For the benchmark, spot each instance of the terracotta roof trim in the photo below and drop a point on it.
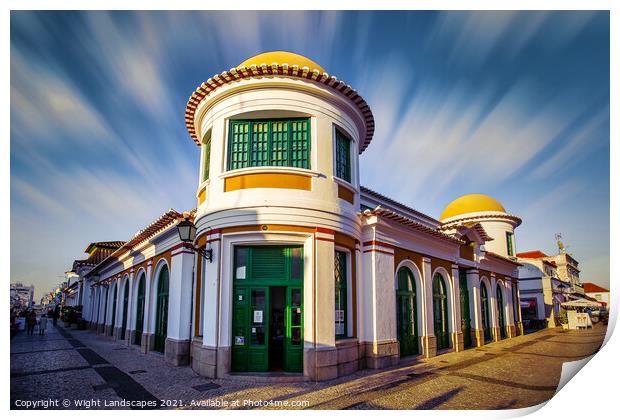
(407, 221)
(277, 69)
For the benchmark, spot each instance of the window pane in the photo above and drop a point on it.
(295, 335)
(260, 135)
(300, 144)
(296, 297)
(207, 160)
(279, 143)
(241, 258)
(343, 156)
(238, 145)
(296, 260)
(340, 273)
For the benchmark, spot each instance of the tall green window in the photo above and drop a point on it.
(343, 156)
(510, 244)
(277, 142)
(340, 272)
(206, 159)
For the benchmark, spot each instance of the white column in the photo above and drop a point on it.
(475, 306)
(510, 319)
(180, 294)
(129, 324)
(324, 306)
(456, 299)
(211, 284)
(493, 304)
(148, 323)
(429, 344)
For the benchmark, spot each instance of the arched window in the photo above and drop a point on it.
(161, 317)
(500, 313)
(140, 310)
(486, 325)
(440, 312)
(406, 313)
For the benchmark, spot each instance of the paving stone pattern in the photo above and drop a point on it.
(76, 366)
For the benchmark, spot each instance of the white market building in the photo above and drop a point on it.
(311, 272)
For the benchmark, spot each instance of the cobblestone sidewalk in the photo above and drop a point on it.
(79, 369)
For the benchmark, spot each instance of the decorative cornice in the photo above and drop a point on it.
(277, 70)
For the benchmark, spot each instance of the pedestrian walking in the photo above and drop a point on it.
(31, 321)
(42, 324)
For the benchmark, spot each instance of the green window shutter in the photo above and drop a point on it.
(207, 159)
(259, 144)
(300, 144)
(340, 273)
(238, 145)
(269, 263)
(509, 244)
(279, 142)
(343, 156)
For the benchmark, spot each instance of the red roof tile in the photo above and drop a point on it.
(532, 254)
(593, 288)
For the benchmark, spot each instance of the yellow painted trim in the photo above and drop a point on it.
(268, 180)
(202, 196)
(345, 193)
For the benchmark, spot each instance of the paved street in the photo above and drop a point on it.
(69, 367)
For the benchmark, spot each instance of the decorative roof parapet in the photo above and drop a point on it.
(409, 222)
(277, 69)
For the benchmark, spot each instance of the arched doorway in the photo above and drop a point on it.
(161, 317)
(486, 324)
(114, 297)
(465, 315)
(406, 313)
(440, 312)
(125, 305)
(500, 313)
(139, 311)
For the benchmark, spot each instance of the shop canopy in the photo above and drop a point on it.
(581, 303)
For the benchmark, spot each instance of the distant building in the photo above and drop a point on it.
(542, 290)
(597, 292)
(22, 297)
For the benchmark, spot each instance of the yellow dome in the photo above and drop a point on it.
(282, 57)
(471, 203)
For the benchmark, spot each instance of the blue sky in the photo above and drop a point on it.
(510, 104)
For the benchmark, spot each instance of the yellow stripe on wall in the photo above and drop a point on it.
(268, 180)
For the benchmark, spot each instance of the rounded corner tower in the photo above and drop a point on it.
(491, 214)
(278, 193)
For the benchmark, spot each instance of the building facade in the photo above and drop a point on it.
(597, 292)
(300, 268)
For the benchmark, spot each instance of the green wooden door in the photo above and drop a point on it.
(161, 318)
(125, 305)
(501, 320)
(140, 311)
(465, 315)
(440, 312)
(294, 340)
(406, 313)
(486, 325)
(256, 270)
(114, 297)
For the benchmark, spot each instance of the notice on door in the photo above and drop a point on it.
(258, 317)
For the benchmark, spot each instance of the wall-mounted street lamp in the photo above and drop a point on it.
(187, 233)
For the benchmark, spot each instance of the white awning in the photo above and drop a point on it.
(581, 303)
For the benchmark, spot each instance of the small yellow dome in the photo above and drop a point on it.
(282, 57)
(471, 203)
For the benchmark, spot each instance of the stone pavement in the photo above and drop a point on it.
(79, 369)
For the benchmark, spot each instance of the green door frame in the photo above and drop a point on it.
(406, 313)
(125, 305)
(140, 311)
(114, 297)
(501, 321)
(275, 266)
(465, 314)
(161, 324)
(484, 303)
(440, 312)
